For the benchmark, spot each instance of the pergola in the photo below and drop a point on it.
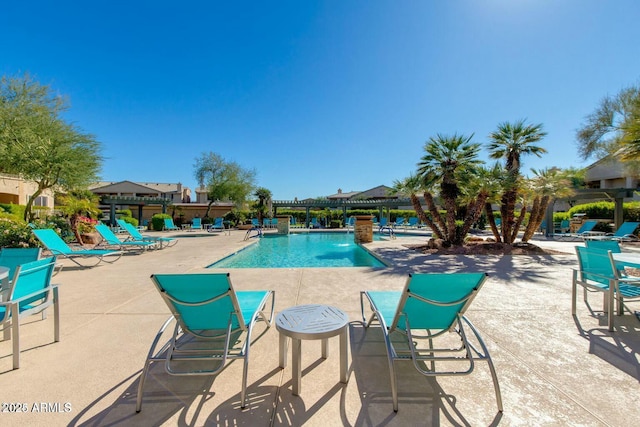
(343, 204)
(617, 195)
(112, 201)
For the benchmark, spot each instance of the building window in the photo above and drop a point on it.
(41, 201)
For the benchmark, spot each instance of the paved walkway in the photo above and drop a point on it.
(553, 369)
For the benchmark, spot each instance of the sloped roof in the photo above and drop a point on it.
(343, 195)
(134, 187)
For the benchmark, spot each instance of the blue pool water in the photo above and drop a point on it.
(301, 250)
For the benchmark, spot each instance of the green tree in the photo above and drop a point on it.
(263, 205)
(224, 180)
(412, 185)
(449, 162)
(76, 204)
(510, 141)
(37, 144)
(613, 128)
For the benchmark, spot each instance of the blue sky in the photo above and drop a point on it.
(317, 96)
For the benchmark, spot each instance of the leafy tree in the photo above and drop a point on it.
(449, 163)
(613, 128)
(510, 141)
(224, 180)
(38, 145)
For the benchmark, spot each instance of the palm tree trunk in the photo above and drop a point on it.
(439, 224)
(473, 213)
(518, 223)
(423, 216)
(492, 222)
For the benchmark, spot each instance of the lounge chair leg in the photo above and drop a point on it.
(15, 326)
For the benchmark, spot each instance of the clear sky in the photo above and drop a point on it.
(319, 95)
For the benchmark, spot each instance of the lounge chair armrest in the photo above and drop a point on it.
(33, 294)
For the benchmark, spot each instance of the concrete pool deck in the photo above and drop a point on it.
(553, 369)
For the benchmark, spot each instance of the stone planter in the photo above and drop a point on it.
(363, 229)
(92, 238)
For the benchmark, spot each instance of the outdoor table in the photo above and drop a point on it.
(311, 322)
(627, 259)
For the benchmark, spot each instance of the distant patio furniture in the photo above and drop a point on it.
(58, 247)
(111, 240)
(604, 245)
(430, 306)
(137, 237)
(196, 224)
(30, 292)
(585, 230)
(213, 322)
(169, 225)
(218, 224)
(624, 233)
(413, 222)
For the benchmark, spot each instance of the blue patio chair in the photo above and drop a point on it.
(315, 223)
(625, 233)
(383, 223)
(218, 224)
(58, 247)
(13, 257)
(585, 230)
(111, 240)
(604, 245)
(135, 235)
(599, 272)
(169, 225)
(413, 222)
(430, 306)
(255, 223)
(30, 292)
(400, 222)
(196, 224)
(274, 222)
(207, 311)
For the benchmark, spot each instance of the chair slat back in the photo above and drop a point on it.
(587, 226)
(626, 228)
(30, 278)
(595, 265)
(108, 235)
(13, 257)
(200, 301)
(604, 245)
(434, 300)
(196, 223)
(52, 241)
(130, 229)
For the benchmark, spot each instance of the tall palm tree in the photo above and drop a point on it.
(480, 193)
(264, 202)
(449, 161)
(411, 186)
(510, 141)
(547, 184)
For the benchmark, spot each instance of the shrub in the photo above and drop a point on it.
(16, 234)
(335, 223)
(131, 220)
(157, 221)
(124, 212)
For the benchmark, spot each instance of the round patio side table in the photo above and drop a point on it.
(311, 322)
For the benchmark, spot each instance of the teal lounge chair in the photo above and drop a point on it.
(137, 237)
(14, 257)
(196, 224)
(58, 247)
(111, 240)
(213, 322)
(218, 224)
(585, 230)
(30, 292)
(430, 306)
(413, 222)
(169, 225)
(625, 233)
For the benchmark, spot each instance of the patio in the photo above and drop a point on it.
(553, 369)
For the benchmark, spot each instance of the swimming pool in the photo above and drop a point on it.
(301, 250)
